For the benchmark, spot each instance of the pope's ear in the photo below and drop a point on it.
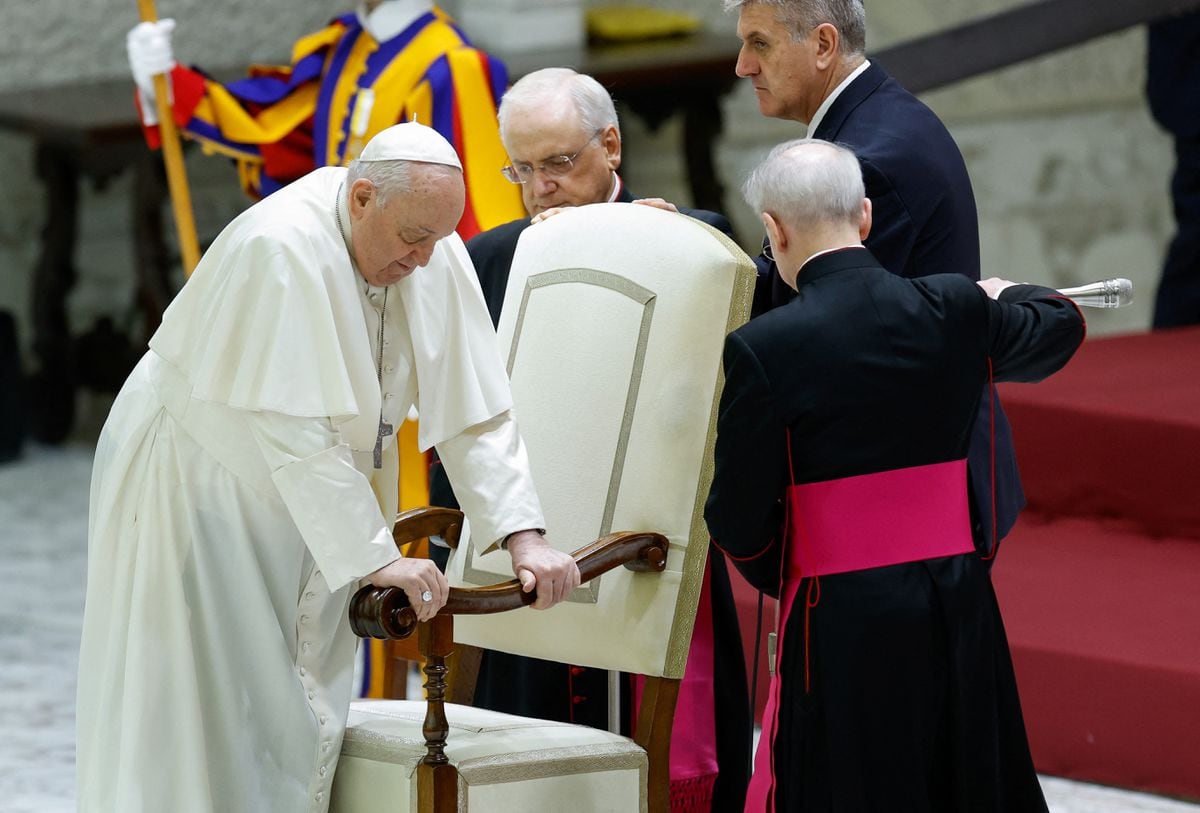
(361, 192)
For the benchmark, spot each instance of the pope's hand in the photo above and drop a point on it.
(418, 578)
(539, 566)
(148, 45)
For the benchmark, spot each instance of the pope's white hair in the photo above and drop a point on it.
(800, 184)
(592, 102)
(394, 177)
(802, 16)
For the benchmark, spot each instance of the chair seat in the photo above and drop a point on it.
(504, 762)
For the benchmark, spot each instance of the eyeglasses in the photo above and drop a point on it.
(555, 166)
(766, 250)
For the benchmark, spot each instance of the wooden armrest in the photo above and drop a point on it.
(383, 612)
(418, 523)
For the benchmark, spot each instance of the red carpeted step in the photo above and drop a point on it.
(1104, 626)
(1116, 433)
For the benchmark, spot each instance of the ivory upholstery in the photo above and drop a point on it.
(504, 762)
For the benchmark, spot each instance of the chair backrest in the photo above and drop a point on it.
(613, 325)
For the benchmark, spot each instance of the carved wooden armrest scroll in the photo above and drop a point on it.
(383, 612)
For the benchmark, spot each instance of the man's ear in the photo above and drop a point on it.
(610, 139)
(827, 40)
(775, 233)
(864, 227)
(361, 192)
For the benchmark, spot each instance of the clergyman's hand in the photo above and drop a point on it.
(992, 286)
(658, 203)
(545, 214)
(541, 567)
(417, 578)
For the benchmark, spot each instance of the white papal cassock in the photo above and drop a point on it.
(235, 504)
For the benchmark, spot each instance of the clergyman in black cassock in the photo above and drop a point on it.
(894, 687)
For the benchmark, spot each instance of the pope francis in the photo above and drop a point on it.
(246, 476)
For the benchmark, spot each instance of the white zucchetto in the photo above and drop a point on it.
(410, 141)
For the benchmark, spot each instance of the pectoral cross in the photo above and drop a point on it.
(385, 429)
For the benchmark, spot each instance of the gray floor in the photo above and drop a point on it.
(43, 528)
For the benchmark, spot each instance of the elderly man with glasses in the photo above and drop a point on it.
(563, 141)
(560, 131)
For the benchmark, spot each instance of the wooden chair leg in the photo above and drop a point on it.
(655, 714)
(437, 779)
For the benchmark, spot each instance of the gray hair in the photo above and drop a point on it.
(592, 102)
(802, 16)
(805, 186)
(392, 177)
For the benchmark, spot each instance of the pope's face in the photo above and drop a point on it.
(782, 70)
(392, 240)
(537, 138)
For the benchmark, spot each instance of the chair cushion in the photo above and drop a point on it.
(504, 762)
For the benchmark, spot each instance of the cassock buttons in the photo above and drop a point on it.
(312, 695)
(576, 671)
(577, 699)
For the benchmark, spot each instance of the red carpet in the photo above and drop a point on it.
(1099, 582)
(1116, 433)
(1104, 626)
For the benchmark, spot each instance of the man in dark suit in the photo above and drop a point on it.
(807, 62)
(561, 133)
(1173, 91)
(840, 486)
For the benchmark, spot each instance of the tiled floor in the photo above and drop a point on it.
(43, 530)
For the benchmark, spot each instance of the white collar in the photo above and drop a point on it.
(391, 17)
(616, 188)
(837, 91)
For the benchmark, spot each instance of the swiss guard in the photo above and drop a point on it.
(388, 61)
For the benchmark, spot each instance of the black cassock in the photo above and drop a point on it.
(911, 703)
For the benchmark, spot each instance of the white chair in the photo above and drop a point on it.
(613, 325)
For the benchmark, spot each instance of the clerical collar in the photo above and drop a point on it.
(822, 253)
(829, 100)
(618, 185)
(391, 17)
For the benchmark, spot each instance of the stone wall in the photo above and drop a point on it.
(1070, 173)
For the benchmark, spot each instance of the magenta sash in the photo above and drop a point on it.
(858, 523)
(693, 767)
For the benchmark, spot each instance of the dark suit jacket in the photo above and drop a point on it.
(1173, 74)
(924, 223)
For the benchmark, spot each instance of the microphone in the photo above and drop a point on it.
(1107, 293)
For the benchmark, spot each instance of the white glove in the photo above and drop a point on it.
(149, 48)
